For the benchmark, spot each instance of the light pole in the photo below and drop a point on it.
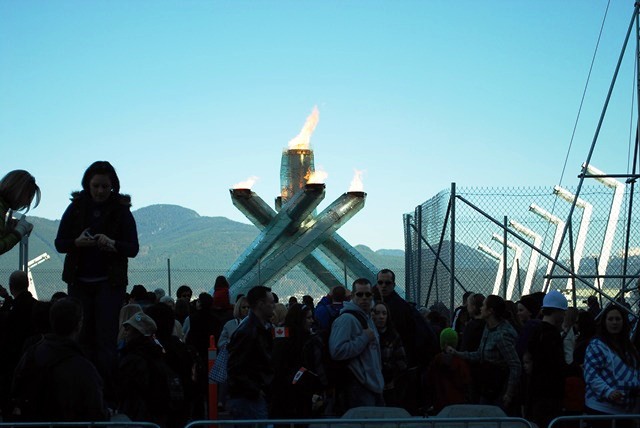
(533, 259)
(553, 219)
(497, 256)
(614, 214)
(514, 266)
(587, 210)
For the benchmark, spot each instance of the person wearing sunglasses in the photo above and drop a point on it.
(354, 338)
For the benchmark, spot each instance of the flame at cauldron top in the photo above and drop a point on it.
(247, 184)
(356, 182)
(318, 176)
(303, 139)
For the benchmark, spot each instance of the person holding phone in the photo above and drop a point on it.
(98, 234)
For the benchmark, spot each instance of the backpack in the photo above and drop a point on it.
(31, 387)
(167, 386)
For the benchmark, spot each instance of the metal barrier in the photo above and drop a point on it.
(431, 422)
(583, 420)
(110, 424)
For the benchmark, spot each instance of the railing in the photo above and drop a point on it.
(110, 424)
(432, 422)
(586, 420)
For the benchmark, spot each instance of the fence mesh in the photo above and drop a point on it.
(595, 237)
(294, 283)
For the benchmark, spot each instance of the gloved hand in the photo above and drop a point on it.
(23, 227)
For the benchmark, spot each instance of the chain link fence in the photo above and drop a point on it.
(294, 283)
(495, 231)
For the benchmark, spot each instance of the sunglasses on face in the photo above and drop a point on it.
(381, 282)
(364, 294)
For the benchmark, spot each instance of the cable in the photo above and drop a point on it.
(575, 125)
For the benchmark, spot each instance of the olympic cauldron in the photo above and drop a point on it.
(293, 233)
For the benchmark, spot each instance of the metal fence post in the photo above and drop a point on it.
(408, 256)
(504, 257)
(418, 295)
(169, 276)
(453, 247)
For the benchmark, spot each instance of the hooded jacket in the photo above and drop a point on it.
(349, 342)
(112, 218)
(73, 385)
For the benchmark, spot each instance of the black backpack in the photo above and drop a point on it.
(167, 385)
(30, 390)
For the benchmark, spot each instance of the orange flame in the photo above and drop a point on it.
(356, 183)
(318, 176)
(247, 184)
(303, 139)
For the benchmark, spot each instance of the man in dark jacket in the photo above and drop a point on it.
(249, 369)
(68, 386)
(16, 325)
(419, 340)
(546, 387)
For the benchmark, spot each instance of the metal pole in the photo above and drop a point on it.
(408, 253)
(573, 264)
(597, 133)
(595, 258)
(519, 282)
(442, 233)
(504, 257)
(24, 254)
(418, 294)
(632, 181)
(169, 275)
(452, 201)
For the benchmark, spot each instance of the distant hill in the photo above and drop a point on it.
(199, 248)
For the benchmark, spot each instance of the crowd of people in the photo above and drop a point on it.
(96, 350)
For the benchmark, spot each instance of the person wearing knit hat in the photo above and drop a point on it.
(449, 374)
(448, 337)
(546, 388)
(528, 308)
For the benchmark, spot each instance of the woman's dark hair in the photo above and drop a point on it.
(295, 320)
(476, 300)
(389, 320)
(498, 305)
(206, 301)
(620, 343)
(182, 289)
(19, 188)
(101, 168)
(221, 282)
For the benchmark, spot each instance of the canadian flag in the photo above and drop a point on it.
(298, 375)
(281, 332)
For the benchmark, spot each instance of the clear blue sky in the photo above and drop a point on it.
(186, 98)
